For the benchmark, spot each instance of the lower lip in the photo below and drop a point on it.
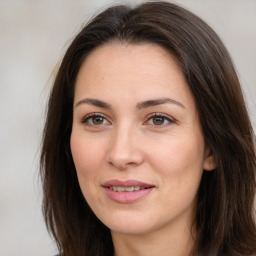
(127, 197)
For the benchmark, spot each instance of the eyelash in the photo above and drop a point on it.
(86, 119)
(165, 117)
(90, 116)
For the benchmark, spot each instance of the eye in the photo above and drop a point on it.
(95, 119)
(159, 119)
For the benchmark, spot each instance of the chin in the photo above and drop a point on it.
(128, 230)
(131, 225)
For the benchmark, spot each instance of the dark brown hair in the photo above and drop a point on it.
(225, 208)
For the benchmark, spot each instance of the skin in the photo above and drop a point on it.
(128, 143)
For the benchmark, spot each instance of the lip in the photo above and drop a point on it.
(126, 183)
(127, 197)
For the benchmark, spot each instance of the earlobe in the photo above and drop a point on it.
(210, 162)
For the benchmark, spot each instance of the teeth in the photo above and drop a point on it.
(125, 189)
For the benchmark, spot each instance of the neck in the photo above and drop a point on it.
(171, 241)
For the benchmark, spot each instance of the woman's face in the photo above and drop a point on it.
(136, 140)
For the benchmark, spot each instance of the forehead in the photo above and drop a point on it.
(118, 57)
(137, 70)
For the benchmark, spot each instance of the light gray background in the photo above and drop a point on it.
(33, 37)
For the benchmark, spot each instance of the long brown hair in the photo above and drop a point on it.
(225, 207)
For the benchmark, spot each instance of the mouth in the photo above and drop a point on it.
(127, 184)
(125, 189)
(128, 191)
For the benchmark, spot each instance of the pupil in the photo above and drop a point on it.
(158, 120)
(98, 120)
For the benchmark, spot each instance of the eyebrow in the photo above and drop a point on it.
(94, 102)
(155, 102)
(139, 106)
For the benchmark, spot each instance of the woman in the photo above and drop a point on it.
(148, 148)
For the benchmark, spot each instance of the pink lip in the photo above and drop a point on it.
(126, 183)
(127, 197)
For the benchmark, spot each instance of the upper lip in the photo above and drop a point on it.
(126, 183)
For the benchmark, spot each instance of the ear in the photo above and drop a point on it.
(210, 162)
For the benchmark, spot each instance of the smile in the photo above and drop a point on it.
(126, 189)
(125, 192)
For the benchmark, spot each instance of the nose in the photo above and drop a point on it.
(125, 149)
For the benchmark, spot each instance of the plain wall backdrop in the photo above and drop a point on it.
(33, 37)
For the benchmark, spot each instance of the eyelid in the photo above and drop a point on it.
(148, 117)
(86, 117)
(167, 117)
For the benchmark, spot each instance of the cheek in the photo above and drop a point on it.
(177, 153)
(180, 163)
(88, 159)
(87, 153)
(181, 170)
